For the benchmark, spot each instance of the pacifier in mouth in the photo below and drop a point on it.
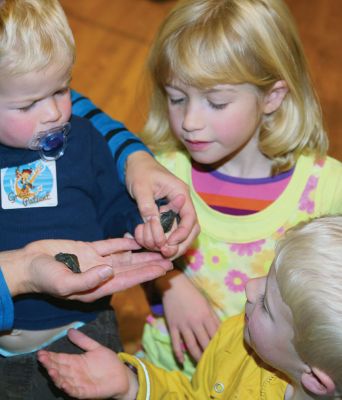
(51, 144)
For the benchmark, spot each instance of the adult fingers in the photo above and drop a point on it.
(85, 281)
(109, 246)
(128, 278)
(127, 260)
(124, 280)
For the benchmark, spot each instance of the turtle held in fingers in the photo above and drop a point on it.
(167, 220)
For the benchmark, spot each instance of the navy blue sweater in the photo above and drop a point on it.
(92, 204)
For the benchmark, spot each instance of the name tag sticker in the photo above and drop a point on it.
(29, 185)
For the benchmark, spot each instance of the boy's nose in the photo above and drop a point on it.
(254, 288)
(51, 111)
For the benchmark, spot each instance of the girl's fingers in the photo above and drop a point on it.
(109, 246)
(212, 325)
(202, 337)
(177, 345)
(191, 344)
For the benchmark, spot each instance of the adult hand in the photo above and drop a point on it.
(159, 183)
(190, 319)
(107, 266)
(79, 375)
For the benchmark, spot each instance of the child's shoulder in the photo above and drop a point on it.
(81, 126)
(326, 163)
(333, 163)
(85, 138)
(327, 176)
(80, 123)
(330, 166)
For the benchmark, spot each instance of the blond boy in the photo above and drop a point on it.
(58, 181)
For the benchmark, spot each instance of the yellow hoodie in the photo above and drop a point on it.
(227, 370)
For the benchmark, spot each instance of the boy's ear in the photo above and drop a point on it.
(318, 382)
(275, 97)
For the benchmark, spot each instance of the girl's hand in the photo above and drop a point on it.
(144, 233)
(97, 373)
(190, 319)
(147, 181)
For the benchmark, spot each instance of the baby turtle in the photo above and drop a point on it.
(167, 219)
(70, 260)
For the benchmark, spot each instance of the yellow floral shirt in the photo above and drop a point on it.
(232, 249)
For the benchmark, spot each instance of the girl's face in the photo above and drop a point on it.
(269, 325)
(215, 124)
(33, 102)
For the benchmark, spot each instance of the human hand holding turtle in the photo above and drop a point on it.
(107, 266)
(159, 183)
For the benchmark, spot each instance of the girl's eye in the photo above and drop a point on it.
(217, 106)
(176, 101)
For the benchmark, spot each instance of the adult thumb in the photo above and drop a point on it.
(90, 279)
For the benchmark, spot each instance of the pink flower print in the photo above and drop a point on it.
(194, 259)
(216, 258)
(236, 280)
(281, 230)
(305, 203)
(247, 248)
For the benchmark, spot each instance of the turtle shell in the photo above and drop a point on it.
(70, 260)
(167, 219)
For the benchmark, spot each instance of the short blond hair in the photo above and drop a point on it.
(308, 265)
(33, 34)
(208, 42)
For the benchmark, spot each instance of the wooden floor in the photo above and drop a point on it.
(113, 38)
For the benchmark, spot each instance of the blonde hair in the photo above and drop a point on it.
(208, 42)
(308, 265)
(33, 34)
